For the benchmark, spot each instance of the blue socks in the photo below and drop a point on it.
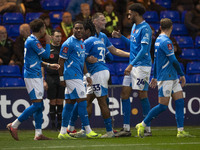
(30, 110)
(82, 112)
(145, 108)
(179, 104)
(66, 114)
(74, 115)
(154, 112)
(126, 109)
(108, 124)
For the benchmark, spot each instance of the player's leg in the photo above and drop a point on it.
(51, 95)
(164, 93)
(59, 104)
(179, 106)
(106, 116)
(126, 107)
(66, 114)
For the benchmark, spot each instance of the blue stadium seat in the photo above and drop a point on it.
(115, 80)
(57, 5)
(31, 16)
(66, 2)
(197, 42)
(183, 16)
(0, 19)
(13, 18)
(120, 67)
(179, 29)
(12, 82)
(173, 15)
(193, 78)
(164, 3)
(117, 42)
(184, 41)
(13, 30)
(10, 71)
(112, 68)
(56, 17)
(189, 54)
(151, 16)
(193, 67)
(156, 26)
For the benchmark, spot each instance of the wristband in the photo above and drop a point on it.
(61, 78)
(48, 65)
(87, 75)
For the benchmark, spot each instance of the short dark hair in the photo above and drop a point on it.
(36, 25)
(89, 25)
(44, 16)
(55, 30)
(166, 23)
(137, 7)
(78, 22)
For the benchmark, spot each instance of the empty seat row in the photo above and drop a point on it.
(12, 82)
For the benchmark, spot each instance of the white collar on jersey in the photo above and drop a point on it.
(34, 36)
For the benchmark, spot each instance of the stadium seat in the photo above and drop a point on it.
(56, 17)
(12, 30)
(10, 71)
(66, 2)
(164, 3)
(193, 67)
(173, 15)
(193, 78)
(184, 41)
(13, 18)
(57, 5)
(120, 67)
(117, 42)
(151, 16)
(183, 16)
(189, 54)
(115, 80)
(156, 26)
(112, 68)
(31, 16)
(179, 29)
(197, 42)
(0, 19)
(12, 82)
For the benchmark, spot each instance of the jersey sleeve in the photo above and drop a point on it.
(88, 46)
(146, 35)
(65, 50)
(107, 41)
(37, 47)
(168, 48)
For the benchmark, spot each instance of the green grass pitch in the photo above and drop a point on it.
(163, 138)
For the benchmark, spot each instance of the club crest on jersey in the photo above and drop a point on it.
(65, 49)
(39, 45)
(169, 46)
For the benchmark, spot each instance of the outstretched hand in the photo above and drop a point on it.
(116, 34)
(54, 66)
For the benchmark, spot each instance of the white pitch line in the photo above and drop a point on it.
(116, 145)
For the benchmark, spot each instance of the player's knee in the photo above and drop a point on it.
(162, 107)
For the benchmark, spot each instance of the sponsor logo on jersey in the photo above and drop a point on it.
(65, 49)
(39, 45)
(82, 46)
(134, 31)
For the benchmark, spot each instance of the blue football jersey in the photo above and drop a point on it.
(33, 54)
(95, 47)
(103, 37)
(73, 50)
(164, 48)
(140, 33)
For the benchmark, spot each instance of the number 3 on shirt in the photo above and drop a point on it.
(96, 87)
